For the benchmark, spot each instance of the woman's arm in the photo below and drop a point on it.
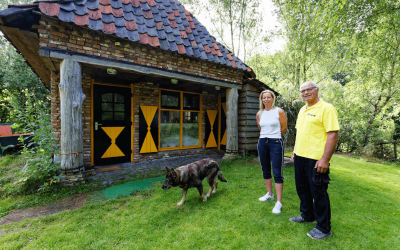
(283, 121)
(258, 120)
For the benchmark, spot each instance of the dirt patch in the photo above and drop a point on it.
(107, 169)
(70, 203)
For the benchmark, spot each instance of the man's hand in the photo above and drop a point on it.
(292, 157)
(322, 166)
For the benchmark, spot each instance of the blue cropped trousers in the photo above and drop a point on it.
(271, 151)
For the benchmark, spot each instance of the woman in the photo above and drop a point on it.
(272, 124)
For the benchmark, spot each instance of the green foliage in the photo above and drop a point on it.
(351, 49)
(39, 171)
(20, 88)
(25, 101)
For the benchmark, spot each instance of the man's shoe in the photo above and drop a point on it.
(266, 197)
(277, 209)
(299, 219)
(315, 234)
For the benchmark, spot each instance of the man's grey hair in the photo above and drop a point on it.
(307, 83)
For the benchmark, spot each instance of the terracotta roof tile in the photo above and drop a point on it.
(160, 23)
(154, 41)
(130, 25)
(51, 9)
(105, 2)
(144, 38)
(135, 3)
(148, 14)
(181, 49)
(105, 9)
(82, 20)
(183, 34)
(109, 28)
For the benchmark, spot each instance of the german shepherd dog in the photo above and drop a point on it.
(192, 175)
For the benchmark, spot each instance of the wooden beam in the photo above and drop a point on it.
(136, 68)
(232, 121)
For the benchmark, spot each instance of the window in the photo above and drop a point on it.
(112, 107)
(179, 120)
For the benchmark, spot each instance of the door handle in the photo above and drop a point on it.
(96, 125)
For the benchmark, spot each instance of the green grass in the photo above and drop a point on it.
(365, 200)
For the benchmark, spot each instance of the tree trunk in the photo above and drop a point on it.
(232, 121)
(71, 101)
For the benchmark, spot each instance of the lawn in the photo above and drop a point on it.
(365, 200)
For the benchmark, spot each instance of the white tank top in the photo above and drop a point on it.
(270, 125)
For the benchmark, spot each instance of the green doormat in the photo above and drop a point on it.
(128, 188)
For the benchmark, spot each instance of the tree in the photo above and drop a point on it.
(236, 23)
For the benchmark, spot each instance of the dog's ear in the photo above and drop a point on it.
(168, 170)
(176, 175)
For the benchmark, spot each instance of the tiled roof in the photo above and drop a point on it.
(159, 23)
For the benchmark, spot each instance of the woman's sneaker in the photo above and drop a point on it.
(277, 209)
(266, 197)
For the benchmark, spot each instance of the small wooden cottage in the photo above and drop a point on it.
(133, 80)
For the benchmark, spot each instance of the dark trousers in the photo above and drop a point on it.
(312, 190)
(270, 151)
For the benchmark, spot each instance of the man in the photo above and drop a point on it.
(317, 134)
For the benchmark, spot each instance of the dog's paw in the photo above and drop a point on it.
(214, 191)
(179, 204)
(205, 199)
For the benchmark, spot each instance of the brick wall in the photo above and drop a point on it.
(57, 34)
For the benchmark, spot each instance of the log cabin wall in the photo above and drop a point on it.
(248, 106)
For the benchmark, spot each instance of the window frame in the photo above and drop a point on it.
(181, 111)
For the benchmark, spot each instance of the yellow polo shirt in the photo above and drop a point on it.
(312, 126)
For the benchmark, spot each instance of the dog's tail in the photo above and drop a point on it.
(220, 176)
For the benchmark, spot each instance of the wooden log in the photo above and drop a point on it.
(231, 121)
(395, 150)
(248, 140)
(249, 99)
(248, 146)
(248, 129)
(71, 102)
(248, 111)
(249, 105)
(248, 122)
(249, 134)
(250, 93)
(247, 116)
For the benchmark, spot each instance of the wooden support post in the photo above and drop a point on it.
(71, 102)
(395, 150)
(232, 122)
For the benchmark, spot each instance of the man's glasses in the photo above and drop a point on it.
(308, 90)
